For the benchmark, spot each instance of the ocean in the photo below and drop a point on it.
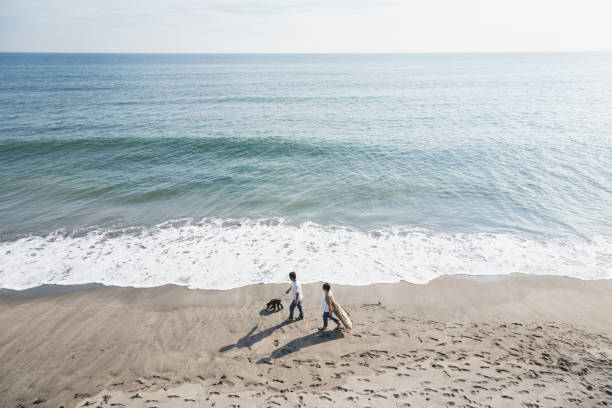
(216, 171)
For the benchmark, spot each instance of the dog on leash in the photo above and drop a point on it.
(274, 305)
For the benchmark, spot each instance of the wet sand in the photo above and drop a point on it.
(519, 340)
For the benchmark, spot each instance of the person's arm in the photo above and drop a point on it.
(297, 297)
(288, 290)
(330, 302)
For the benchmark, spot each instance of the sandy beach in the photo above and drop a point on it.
(520, 340)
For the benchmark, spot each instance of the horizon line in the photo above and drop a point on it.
(308, 53)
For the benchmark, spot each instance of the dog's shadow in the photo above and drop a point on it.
(265, 312)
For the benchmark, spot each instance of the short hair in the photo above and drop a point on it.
(291, 275)
(326, 286)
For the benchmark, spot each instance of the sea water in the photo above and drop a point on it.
(215, 171)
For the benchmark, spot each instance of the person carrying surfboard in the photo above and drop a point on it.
(331, 308)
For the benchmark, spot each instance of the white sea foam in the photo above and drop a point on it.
(223, 254)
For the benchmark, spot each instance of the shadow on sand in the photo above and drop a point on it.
(249, 339)
(266, 312)
(303, 342)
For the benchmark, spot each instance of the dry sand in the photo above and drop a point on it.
(520, 340)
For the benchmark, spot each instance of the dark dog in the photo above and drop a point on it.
(274, 305)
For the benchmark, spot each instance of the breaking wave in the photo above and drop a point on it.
(227, 253)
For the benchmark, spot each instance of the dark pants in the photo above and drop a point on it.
(292, 308)
(326, 316)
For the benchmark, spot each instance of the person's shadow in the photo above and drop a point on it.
(302, 342)
(249, 339)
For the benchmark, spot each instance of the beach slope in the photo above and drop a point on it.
(518, 340)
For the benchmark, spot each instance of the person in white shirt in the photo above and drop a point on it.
(327, 312)
(298, 296)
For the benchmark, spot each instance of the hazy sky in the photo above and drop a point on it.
(304, 25)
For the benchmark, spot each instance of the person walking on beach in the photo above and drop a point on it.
(298, 296)
(327, 313)
(331, 307)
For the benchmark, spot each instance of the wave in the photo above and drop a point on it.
(268, 145)
(227, 253)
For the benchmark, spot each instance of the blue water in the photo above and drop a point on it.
(514, 145)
